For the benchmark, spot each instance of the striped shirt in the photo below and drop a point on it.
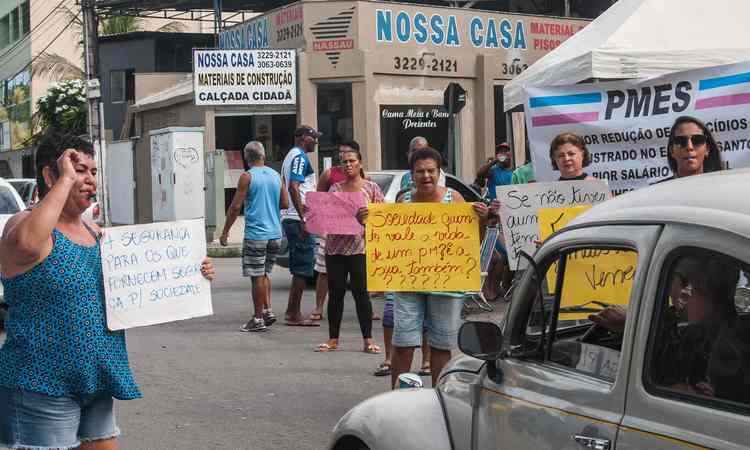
(341, 244)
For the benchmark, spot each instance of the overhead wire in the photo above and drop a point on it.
(16, 45)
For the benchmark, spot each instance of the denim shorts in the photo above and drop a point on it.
(414, 312)
(38, 421)
(301, 251)
(388, 311)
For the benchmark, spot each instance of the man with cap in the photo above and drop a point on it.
(498, 171)
(299, 179)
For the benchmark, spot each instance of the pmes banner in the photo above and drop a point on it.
(245, 77)
(626, 124)
(419, 247)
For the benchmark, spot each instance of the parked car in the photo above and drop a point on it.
(542, 380)
(389, 182)
(26, 188)
(10, 203)
(94, 214)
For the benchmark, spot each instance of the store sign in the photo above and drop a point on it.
(279, 29)
(245, 77)
(399, 124)
(477, 30)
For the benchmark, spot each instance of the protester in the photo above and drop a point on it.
(417, 143)
(260, 191)
(327, 179)
(61, 366)
(384, 368)
(299, 179)
(439, 312)
(569, 155)
(345, 258)
(498, 171)
(524, 174)
(692, 149)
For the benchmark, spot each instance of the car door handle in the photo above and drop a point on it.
(595, 443)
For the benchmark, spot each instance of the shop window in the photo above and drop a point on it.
(700, 341)
(334, 118)
(501, 132)
(25, 18)
(5, 31)
(15, 25)
(117, 86)
(4, 135)
(399, 124)
(579, 284)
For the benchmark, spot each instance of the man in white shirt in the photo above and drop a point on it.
(299, 179)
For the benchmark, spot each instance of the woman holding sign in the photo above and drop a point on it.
(569, 155)
(345, 258)
(61, 367)
(439, 312)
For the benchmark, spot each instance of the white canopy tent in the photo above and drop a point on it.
(641, 39)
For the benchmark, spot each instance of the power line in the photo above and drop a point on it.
(48, 45)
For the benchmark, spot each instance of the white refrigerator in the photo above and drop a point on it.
(177, 174)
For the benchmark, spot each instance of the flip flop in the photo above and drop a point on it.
(316, 317)
(375, 317)
(325, 348)
(424, 371)
(303, 323)
(383, 370)
(372, 349)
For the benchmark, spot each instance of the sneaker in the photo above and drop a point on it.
(269, 317)
(254, 325)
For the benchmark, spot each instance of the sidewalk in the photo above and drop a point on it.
(234, 242)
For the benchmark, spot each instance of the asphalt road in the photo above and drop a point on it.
(207, 385)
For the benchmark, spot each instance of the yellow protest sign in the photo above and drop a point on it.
(591, 275)
(419, 247)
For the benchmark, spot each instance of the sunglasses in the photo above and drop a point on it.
(696, 139)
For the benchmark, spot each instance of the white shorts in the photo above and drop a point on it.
(320, 255)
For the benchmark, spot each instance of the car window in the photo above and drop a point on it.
(700, 340)
(383, 180)
(8, 203)
(581, 283)
(466, 192)
(23, 188)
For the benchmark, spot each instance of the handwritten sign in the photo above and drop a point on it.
(601, 275)
(520, 204)
(334, 212)
(152, 273)
(420, 247)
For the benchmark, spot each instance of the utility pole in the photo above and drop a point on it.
(93, 95)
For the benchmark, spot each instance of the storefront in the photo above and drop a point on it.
(376, 72)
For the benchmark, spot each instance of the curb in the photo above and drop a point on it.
(231, 251)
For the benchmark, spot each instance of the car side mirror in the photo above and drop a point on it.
(482, 340)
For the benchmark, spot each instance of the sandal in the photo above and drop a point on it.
(383, 370)
(315, 317)
(325, 348)
(372, 349)
(425, 371)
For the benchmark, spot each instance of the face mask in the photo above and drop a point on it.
(502, 158)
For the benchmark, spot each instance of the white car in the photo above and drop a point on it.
(10, 203)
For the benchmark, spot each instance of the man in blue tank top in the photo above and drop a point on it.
(260, 192)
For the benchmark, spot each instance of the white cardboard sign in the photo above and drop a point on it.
(152, 273)
(521, 202)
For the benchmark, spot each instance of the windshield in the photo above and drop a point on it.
(23, 188)
(383, 180)
(8, 204)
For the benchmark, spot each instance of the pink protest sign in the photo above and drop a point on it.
(334, 212)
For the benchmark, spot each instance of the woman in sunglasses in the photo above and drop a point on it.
(692, 149)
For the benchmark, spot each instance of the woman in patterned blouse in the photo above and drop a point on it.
(60, 367)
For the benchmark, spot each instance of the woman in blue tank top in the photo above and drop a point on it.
(60, 367)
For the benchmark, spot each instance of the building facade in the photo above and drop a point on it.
(371, 71)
